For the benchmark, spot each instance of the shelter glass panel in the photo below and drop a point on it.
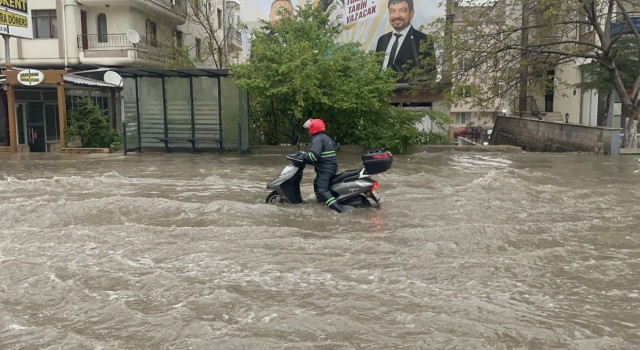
(179, 123)
(151, 111)
(234, 115)
(206, 110)
(130, 115)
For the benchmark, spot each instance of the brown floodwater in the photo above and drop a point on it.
(180, 251)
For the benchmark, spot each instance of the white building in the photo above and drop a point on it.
(560, 98)
(90, 33)
(80, 35)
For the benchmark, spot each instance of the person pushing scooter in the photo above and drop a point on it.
(322, 154)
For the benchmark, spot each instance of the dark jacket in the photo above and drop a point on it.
(322, 153)
(412, 53)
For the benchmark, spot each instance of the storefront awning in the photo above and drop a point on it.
(84, 81)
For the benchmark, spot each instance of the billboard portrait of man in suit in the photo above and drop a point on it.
(405, 47)
(277, 6)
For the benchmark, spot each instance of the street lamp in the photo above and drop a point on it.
(566, 118)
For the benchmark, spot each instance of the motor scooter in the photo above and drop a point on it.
(355, 188)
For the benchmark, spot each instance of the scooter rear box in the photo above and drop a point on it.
(377, 160)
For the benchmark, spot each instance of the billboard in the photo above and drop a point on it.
(364, 21)
(15, 18)
(397, 27)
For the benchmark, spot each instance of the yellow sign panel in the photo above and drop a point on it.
(18, 5)
(12, 19)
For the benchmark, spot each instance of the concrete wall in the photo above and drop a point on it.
(550, 136)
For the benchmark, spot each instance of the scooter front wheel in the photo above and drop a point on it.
(274, 197)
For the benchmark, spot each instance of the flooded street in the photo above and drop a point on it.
(180, 251)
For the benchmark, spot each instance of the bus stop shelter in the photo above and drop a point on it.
(181, 109)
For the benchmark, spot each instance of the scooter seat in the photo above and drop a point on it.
(345, 176)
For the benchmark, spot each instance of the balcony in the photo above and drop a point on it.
(175, 10)
(623, 28)
(106, 42)
(175, 5)
(96, 46)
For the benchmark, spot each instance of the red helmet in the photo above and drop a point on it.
(314, 126)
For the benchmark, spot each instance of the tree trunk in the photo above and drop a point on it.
(631, 127)
(524, 57)
(607, 107)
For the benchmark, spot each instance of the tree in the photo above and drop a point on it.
(213, 31)
(510, 44)
(297, 71)
(90, 123)
(599, 79)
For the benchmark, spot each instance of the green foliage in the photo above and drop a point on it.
(626, 61)
(178, 57)
(432, 138)
(88, 121)
(298, 71)
(272, 126)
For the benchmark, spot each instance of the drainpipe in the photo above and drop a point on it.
(64, 26)
(225, 31)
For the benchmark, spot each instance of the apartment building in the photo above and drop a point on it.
(553, 92)
(80, 35)
(211, 34)
(465, 112)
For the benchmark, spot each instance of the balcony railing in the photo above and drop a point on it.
(103, 41)
(146, 48)
(117, 41)
(176, 5)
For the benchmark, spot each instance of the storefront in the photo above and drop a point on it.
(34, 107)
(35, 110)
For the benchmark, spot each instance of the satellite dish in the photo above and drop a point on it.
(133, 36)
(112, 77)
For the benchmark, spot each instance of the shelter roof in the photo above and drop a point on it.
(163, 72)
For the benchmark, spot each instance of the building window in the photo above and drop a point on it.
(219, 18)
(152, 38)
(199, 48)
(463, 118)
(178, 37)
(102, 28)
(45, 24)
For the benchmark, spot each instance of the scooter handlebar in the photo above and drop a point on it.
(296, 158)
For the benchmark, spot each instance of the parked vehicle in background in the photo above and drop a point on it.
(476, 134)
(486, 136)
(472, 133)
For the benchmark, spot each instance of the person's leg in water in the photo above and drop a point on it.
(315, 190)
(322, 181)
